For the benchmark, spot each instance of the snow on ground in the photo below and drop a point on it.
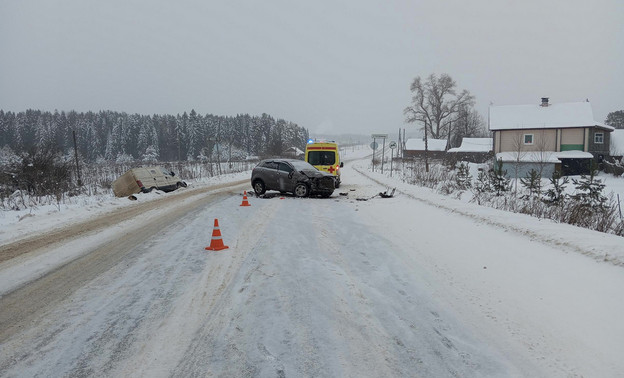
(599, 246)
(545, 296)
(15, 224)
(546, 284)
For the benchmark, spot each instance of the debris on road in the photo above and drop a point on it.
(386, 194)
(380, 194)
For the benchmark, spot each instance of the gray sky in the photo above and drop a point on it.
(329, 65)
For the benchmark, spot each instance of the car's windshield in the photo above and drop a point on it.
(301, 165)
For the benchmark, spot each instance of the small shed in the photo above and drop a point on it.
(474, 150)
(415, 148)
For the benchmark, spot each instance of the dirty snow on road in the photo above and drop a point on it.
(414, 285)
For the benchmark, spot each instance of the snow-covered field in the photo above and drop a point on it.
(415, 285)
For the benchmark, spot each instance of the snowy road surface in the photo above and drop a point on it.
(323, 288)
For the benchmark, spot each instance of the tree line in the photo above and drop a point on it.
(109, 136)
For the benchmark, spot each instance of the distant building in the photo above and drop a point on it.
(293, 152)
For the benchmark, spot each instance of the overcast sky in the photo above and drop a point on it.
(328, 65)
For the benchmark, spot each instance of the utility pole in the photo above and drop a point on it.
(218, 140)
(374, 146)
(403, 146)
(76, 156)
(426, 149)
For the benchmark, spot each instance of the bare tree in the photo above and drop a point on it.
(435, 101)
(468, 123)
(543, 155)
(517, 148)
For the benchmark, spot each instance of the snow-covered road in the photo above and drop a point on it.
(339, 287)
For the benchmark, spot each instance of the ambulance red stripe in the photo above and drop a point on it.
(322, 148)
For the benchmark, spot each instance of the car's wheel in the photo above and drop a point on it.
(259, 187)
(337, 184)
(301, 190)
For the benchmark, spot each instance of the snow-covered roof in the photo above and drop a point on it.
(617, 142)
(474, 145)
(294, 149)
(541, 156)
(528, 157)
(418, 144)
(574, 155)
(571, 114)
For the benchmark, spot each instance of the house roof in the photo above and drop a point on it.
(418, 144)
(474, 145)
(571, 114)
(294, 150)
(541, 156)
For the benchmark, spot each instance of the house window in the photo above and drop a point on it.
(528, 138)
(599, 138)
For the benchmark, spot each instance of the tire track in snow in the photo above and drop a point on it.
(211, 307)
(390, 334)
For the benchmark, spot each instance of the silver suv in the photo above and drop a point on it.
(293, 176)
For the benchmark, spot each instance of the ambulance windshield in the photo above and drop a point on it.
(322, 157)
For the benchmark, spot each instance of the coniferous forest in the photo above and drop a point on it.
(109, 136)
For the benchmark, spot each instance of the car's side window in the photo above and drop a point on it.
(270, 165)
(285, 167)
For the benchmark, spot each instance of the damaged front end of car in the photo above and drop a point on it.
(320, 183)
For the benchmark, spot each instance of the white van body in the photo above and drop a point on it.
(145, 180)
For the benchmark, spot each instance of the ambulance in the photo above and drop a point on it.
(324, 156)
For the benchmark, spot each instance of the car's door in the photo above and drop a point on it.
(285, 177)
(270, 175)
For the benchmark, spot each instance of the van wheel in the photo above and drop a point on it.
(259, 187)
(337, 184)
(301, 190)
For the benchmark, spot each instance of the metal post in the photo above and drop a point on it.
(383, 153)
(374, 144)
(391, 159)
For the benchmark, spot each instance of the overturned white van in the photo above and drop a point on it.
(145, 180)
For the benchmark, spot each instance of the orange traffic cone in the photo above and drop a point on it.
(245, 202)
(216, 244)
